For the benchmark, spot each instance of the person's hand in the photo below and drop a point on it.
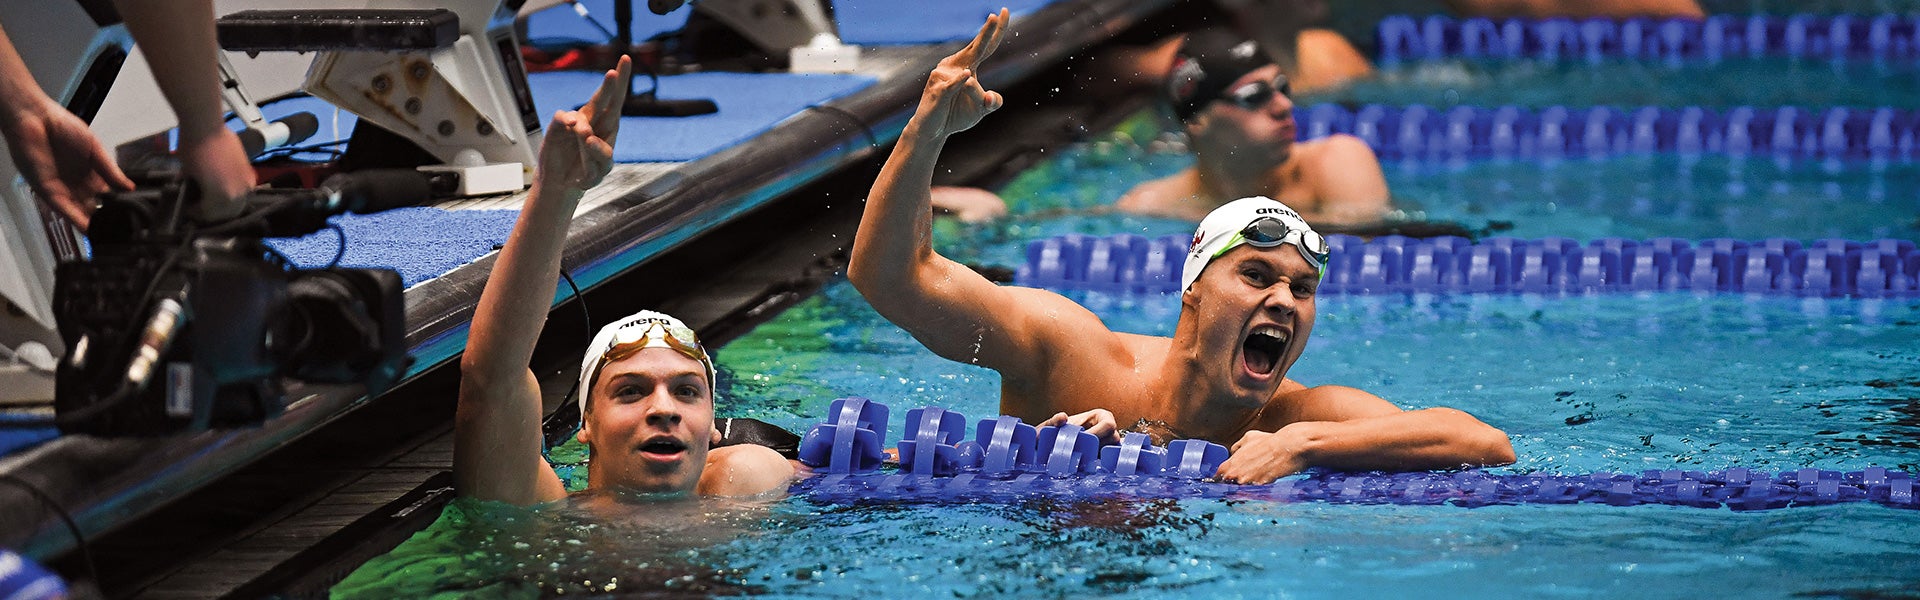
(1261, 457)
(1099, 422)
(219, 164)
(578, 151)
(61, 159)
(954, 100)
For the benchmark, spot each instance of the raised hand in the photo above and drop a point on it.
(578, 151)
(954, 100)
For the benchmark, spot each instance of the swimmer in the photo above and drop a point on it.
(1238, 113)
(1246, 313)
(646, 390)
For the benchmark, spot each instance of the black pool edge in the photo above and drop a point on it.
(105, 483)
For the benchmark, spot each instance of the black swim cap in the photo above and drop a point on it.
(1208, 61)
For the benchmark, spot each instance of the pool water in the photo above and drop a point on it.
(1620, 382)
(1632, 196)
(1601, 383)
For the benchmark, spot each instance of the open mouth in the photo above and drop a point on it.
(663, 448)
(1262, 349)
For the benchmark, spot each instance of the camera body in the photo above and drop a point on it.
(175, 324)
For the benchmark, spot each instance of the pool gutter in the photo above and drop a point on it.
(104, 483)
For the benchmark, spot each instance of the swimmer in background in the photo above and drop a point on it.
(1246, 313)
(646, 391)
(1235, 105)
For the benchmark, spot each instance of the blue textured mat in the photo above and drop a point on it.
(14, 440)
(559, 25)
(750, 103)
(420, 243)
(894, 22)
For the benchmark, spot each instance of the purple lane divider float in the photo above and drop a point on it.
(1421, 132)
(1009, 461)
(1501, 265)
(850, 441)
(1672, 40)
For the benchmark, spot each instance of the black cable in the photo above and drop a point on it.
(872, 140)
(577, 296)
(340, 251)
(86, 553)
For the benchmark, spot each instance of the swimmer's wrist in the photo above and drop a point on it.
(1306, 442)
(919, 130)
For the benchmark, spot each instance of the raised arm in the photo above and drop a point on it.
(1351, 430)
(497, 443)
(954, 311)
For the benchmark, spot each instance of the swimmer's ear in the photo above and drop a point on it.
(714, 440)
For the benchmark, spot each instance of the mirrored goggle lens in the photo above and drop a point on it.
(1315, 246)
(1266, 232)
(679, 337)
(1257, 94)
(1269, 232)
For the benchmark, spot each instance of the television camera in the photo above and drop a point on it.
(176, 324)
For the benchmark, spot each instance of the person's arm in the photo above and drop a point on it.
(53, 149)
(1351, 430)
(954, 311)
(497, 442)
(178, 40)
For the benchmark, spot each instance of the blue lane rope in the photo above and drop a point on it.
(1718, 37)
(1502, 265)
(1008, 461)
(1421, 132)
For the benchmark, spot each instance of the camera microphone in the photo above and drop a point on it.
(375, 190)
(286, 131)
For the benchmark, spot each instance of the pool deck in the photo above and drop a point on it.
(640, 212)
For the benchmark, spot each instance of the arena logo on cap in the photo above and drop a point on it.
(1277, 210)
(1243, 50)
(1185, 78)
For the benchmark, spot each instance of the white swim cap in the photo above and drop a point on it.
(1226, 227)
(657, 330)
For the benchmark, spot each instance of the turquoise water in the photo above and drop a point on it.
(1598, 383)
(1614, 383)
(1632, 196)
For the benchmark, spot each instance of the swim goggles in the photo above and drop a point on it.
(1254, 95)
(655, 333)
(1267, 232)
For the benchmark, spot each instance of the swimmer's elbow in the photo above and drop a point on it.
(1475, 442)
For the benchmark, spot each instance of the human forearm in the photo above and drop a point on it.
(1434, 438)
(177, 37)
(20, 96)
(519, 291)
(895, 234)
